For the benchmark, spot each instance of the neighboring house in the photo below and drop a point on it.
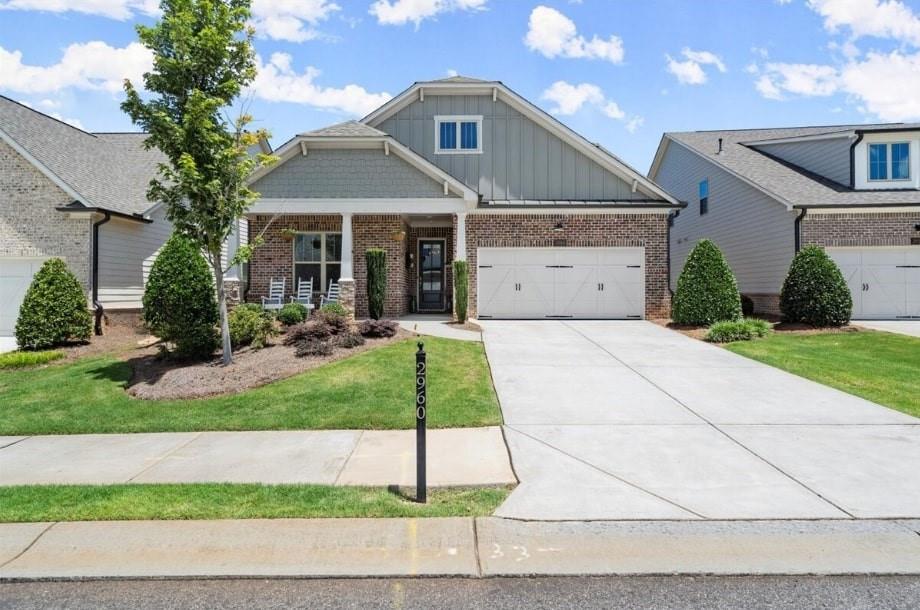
(553, 226)
(81, 197)
(761, 194)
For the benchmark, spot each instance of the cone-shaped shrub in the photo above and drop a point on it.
(376, 281)
(54, 310)
(706, 289)
(461, 289)
(180, 306)
(814, 291)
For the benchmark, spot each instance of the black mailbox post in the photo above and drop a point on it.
(421, 413)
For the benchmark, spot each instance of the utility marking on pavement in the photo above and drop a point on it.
(522, 553)
(713, 425)
(497, 552)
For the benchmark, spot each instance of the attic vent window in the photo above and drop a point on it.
(458, 134)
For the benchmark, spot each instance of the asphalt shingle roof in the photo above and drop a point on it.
(107, 170)
(784, 180)
(348, 129)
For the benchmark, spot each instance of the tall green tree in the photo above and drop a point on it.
(202, 60)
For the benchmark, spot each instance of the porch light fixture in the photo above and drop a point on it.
(558, 227)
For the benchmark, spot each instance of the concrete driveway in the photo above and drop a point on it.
(911, 328)
(629, 420)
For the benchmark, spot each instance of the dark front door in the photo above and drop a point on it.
(431, 275)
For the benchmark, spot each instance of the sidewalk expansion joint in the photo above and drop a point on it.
(30, 545)
(25, 438)
(348, 458)
(160, 459)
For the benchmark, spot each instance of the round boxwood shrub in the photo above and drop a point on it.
(814, 291)
(54, 310)
(180, 306)
(250, 325)
(292, 313)
(706, 289)
(335, 308)
(376, 281)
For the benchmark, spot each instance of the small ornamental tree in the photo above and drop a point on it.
(814, 291)
(706, 289)
(54, 310)
(461, 289)
(376, 281)
(179, 303)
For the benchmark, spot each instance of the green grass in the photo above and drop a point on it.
(881, 367)
(372, 390)
(31, 503)
(17, 360)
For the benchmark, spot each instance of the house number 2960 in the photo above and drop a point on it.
(421, 399)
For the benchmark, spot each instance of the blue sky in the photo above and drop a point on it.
(618, 71)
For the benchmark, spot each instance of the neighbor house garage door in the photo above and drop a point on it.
(884, 282)
(15, 277)
(561, 283)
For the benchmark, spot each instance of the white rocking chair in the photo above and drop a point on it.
(304, 294)
(275, 298)
(332, 295)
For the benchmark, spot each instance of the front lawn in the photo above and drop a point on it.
(372, 390)
(33, 503)
(878, 366)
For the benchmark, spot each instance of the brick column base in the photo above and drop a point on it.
(347, 295)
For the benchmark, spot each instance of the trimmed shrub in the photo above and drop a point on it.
(737, 330)
(461, 289)
(378, 328)
(376, 281)
(319, 335)
(54, 310)
(250, 325)
(180, 306)
(747, 305)
(706, 289)
(336, 308)
(814, 291)
(292, 313)
(314, 330)
(337, 323)
(351, 340)
(314, 348)
(16, 360)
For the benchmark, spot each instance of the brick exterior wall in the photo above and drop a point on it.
(378, 232)
(860, 229)
(422, 233)
(30, 226)
(585, 230)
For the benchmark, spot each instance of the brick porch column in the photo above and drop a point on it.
(347, 274)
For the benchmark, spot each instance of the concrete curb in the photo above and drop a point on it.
(464, 547)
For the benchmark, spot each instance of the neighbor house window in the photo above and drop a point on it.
(704, 196)
(317, 256)
(889, 161)
(458, 134)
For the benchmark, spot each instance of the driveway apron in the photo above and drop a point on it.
(630, 420)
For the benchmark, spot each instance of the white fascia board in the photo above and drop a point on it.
(659, 156)
(569, 211)
(788, 204)
(44, 169)
(408, 205)
(810, 138)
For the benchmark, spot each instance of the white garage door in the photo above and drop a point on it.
(884, 282)
(531, 283)
(15, 277)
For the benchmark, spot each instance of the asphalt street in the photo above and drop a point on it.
(851, 592)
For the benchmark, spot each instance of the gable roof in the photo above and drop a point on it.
(498, 90)
(346, 129)
(789, 184)
(110, 171)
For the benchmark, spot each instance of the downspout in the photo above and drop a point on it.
(671, 217)
(857, 140)
(798, 229)
(98, 312)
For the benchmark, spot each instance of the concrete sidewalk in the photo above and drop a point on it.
(453, 547)
(437, 325)
(456, 456)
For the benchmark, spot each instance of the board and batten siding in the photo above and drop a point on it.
(519, 159)
(829, 158)
(754, 231)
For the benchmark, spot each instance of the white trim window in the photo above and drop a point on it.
(457, 134)
(889, 161)
(317, 256)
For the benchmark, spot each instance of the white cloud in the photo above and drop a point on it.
(452, 72)
(690, 71)
(92, 65)
(554, 35)
(113, 9)
(401, 12)
(568, 99)
(293, 20)
(808, 80)
(71, 121)
(887, 85)
(879, 18)
(277, 81)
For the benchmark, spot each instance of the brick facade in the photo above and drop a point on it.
(860, 229)
(579, 230)
(381, 231)
(30, 226)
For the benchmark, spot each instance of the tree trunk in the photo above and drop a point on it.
(216, 266)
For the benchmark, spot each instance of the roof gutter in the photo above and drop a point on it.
(851, 206)
(857, 140)
(97, 306)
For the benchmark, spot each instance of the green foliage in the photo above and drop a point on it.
(334, 308)
(251, 325)
(292, 313)
(18, 360)
(461, 289)
(706, 289)
(54, 310)
(202, 59)
(179, 303)
(738, 330)
(376, 281)
(814, 291)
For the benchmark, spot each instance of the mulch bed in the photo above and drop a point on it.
(788, 328)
